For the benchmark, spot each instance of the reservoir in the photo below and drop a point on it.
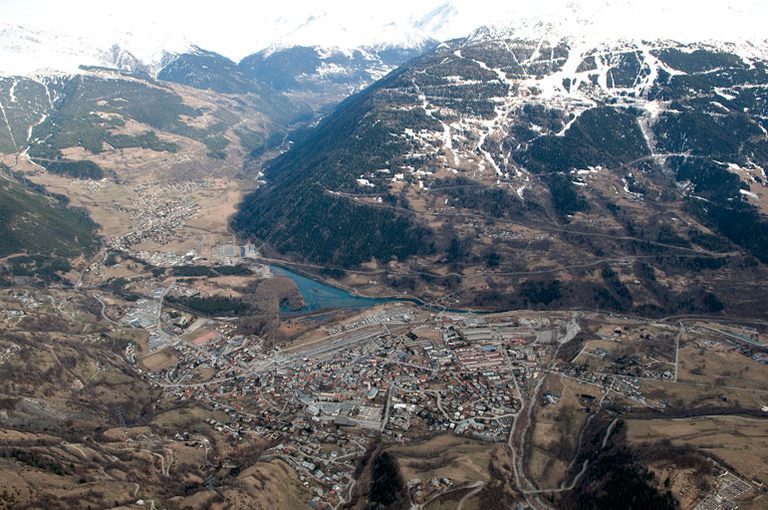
(318, 296)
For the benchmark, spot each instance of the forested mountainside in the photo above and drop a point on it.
(577, 174)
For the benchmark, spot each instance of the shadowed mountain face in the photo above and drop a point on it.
(558, 173)
(207, 70)
(38, 231)
(37, 223)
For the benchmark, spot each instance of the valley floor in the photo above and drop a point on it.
(134, 400)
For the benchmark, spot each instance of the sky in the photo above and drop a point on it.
(236, 28)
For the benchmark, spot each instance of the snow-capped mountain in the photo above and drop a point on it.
(27, 51)
(147, 40)
(320, 75)
(325, 30)
(600, 21)
(330, 72)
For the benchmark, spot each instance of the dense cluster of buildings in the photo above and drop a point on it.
(396, 371)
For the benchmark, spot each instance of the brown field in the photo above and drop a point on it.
(265, 485)
(458, 458)
(160, 360)
(184, 418)
(705, 394)
(556, 431)
(590, 359)
(450, 501)
(202, 374)
(741, 442)
(221, 285)
(723, 366)
(124, 434)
